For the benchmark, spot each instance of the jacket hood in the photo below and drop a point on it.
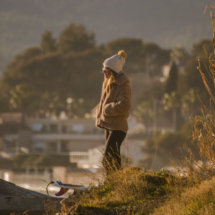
(121, 79)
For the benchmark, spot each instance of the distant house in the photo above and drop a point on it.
(88, 160)
(130, 148)
(58, 136)
(166, 68)
(54, 136)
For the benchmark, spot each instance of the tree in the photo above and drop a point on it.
(4, 103)
(179, 54)
(154, 59)
(55, 77)
(154, 92)
(16, 72)
(86, 75)
(171, 83)
(167, 146)
(75, 38)
(22, 96)
(45, 73)
(48, 43)
(190, 103)
(198, 48)
(144, 113)
(170, 146)
(191, 79)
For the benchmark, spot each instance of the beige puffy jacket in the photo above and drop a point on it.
(113, 110)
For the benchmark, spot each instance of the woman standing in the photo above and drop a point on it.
(113, 109)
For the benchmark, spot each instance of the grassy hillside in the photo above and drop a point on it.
(198, 200)
(136, 191)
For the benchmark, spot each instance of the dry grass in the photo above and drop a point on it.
(130, 191)
(198, 200)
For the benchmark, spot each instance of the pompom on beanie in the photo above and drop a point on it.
(116, 62)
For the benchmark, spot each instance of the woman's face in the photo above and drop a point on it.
(106, 71)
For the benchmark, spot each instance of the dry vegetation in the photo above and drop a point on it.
(198, 200)
(128, 191)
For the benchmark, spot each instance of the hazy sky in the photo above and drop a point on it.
(166, 22)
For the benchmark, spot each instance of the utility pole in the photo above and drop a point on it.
(155, 116)
(174, 119)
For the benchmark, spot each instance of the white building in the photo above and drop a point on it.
(55, 136)
(88, 160)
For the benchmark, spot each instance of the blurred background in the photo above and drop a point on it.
(51, 57)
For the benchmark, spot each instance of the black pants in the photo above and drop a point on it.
(112, 159)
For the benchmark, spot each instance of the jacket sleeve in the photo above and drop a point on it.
(123, 103)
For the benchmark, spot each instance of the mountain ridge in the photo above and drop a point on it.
(166, 23)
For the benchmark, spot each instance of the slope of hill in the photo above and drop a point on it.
(165, 22)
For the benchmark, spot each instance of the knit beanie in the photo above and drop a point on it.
(116, 62)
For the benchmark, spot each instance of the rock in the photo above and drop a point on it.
(15, 199)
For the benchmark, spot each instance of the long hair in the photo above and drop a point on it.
(106, 87)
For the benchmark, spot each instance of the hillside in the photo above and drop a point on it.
(135, 191)
(165, 22)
